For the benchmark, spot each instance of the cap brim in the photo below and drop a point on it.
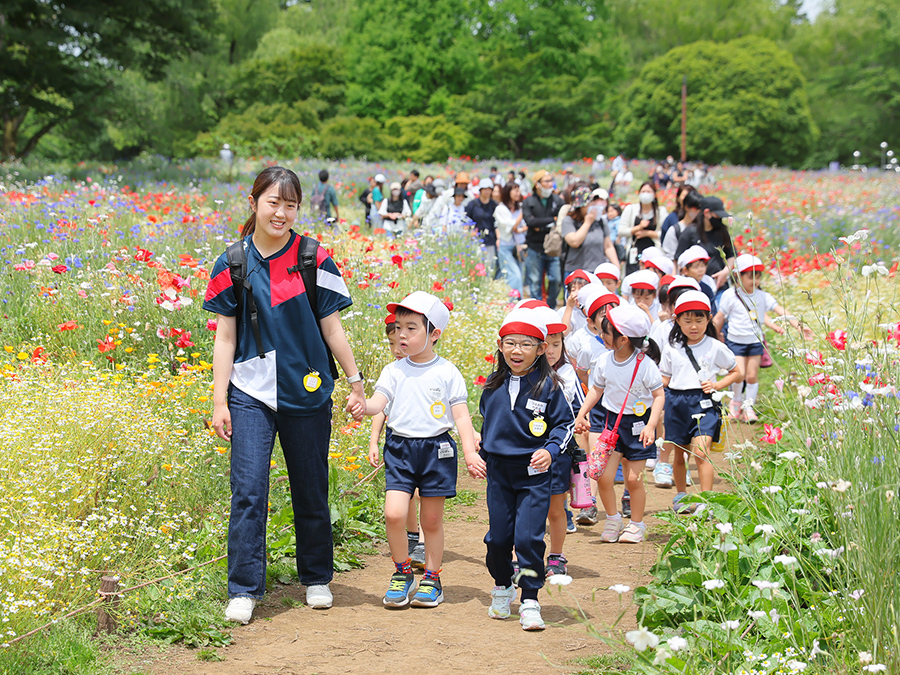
(753, 268)
(643, 285)
(692, 305)
(522, 328)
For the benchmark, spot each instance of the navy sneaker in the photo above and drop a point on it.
(429, 594)
(399, 589)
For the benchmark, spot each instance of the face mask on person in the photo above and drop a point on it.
(544, 192)
(395, 194)
(598, 210)
(646, 197)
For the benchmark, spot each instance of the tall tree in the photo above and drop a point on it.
(56, 59)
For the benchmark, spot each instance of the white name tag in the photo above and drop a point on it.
(445, 451)
(535, 406)
(637, 428)
(534, 471)
(706, 403)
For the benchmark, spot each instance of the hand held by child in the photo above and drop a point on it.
(541, 459)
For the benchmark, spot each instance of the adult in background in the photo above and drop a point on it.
(539, 212)
(410, 185)
(324, 197)
(692, 204)
(281, 384)
(481, 212)
(395, 211)
(524, 185)
(711, 232)
(584, 231)
(508, 223)
(660, 178)
(678, 213)
(679, 175)
(641, 223)
(376, 197)
(364, 198)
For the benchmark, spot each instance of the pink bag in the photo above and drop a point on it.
(606, 443)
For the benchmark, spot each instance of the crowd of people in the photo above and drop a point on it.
(628, 374)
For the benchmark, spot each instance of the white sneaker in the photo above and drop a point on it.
(240, 610)
(662, 475)
(501, 597)
(530, 615)
(319, 596)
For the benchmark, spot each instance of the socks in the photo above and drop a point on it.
(752, 393)
(405, 567)
(432, 575)
(639, 523)
(737, 389)
(413, 536)
(618, 516)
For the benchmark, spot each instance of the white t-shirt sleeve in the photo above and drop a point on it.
(665, 363)
(769, 301)
(723, 357)
(650, 375)
(386, 383)
(583, 357)
(598, 372)
(457, 388)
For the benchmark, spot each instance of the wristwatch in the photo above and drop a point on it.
(353, 379)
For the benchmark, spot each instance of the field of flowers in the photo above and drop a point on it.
(107, 465)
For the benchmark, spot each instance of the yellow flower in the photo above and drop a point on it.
(167, 467)
(9, 348)
(221, 450)
(22, 356)
(106, 322)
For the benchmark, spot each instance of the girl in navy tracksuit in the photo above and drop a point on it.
(527, 422)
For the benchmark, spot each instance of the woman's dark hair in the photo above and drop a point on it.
(677, 338)
(288, 188)
(693, 200)
(501, 370)
(652, 185)
(506, 198)
(644, 344)
(683, 189)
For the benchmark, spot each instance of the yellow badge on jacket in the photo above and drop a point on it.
(537, 426)
(312, 381)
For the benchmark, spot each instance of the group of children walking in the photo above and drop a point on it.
(622, 364)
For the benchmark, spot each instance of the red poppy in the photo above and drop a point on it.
(838, 339)
(773, 434)
(393, 284)
(448, 303)
(212, 324)
(437, 286)
(480, 380)
(38, 355)
(184, 340)
(397, 260)
(106, 345)
(60, 269)
(490, 358)
(142, 255)
(68, 325)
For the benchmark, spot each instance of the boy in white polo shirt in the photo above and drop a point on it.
(427, 395)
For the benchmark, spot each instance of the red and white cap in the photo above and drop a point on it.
(692, 300)
(681, 281)
(646, 279)
(390, 318)
(607, 271)
(693, 254)
(523, 321)
(424, 303)
(650, 253)
(665, 280)
(661, 263)
(629, 320)
(586, 291)
(551, 319)
(580, 274)
(748, 263)
(597, 298)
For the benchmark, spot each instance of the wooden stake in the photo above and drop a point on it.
(109, 587)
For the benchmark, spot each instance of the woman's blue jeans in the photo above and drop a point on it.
(304, 441)
(509, 266)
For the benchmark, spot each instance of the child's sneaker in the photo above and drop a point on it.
(240, 610)
(570, 524)
(587, 516)
(417, 556)
(662, 475)
(429, 594)
(734, 410)
(612, 530)
(500, 599)
(750, 415)
(650, 464)
(556, 564)
(412, 540)
(626, 505)
(530, 615)
(678, 507)
(399, 589)
(633, 534)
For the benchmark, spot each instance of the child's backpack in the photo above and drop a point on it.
(307, 253)
(317, 204)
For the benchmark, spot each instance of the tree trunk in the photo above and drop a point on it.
(33, 141)
(10, 135)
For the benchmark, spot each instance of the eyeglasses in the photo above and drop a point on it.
(523, 345)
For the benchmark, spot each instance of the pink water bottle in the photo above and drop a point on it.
(580, 484)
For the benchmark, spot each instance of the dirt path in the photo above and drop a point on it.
(358, 635)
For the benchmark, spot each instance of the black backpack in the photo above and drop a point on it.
(307, 253)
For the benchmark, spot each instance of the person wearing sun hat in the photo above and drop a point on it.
(427, 397)
(690, 365)
(584, 231)
(626, 381)
(527, 424)
(710, 230)
(539, 211)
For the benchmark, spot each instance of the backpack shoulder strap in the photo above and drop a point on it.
(307, 265)
(236, 256)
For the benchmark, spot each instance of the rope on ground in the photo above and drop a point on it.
(96, 602)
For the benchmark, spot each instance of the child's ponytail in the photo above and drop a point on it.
(650, 348)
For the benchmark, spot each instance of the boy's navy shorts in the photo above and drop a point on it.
(753, 349)
(561, 474)
(598, 417)
(681, 426)
(429, 464)
(629, 443)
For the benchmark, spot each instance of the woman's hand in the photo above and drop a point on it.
(590, 217)
(221, 421)
(721, 277)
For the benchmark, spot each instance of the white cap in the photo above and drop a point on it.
(693, 254)
(589, 290)
(396, 186)
(607, 271)
(379, 178)
(650, 253)
(684, 282)
(689, 300)
(596, 298)
(748, 263)
(550, 318)
(485, 184)
(225, 146)
(629, 320)
(646, 279)
(661, 263)
(524, 321)
(424, 303)
(600, 158)
(599, 193)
